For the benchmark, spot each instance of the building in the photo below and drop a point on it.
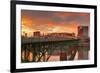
(84, 42)
(61, 35)
(82, 31)
(37, 34)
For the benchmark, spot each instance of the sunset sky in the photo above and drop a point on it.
(51, 21)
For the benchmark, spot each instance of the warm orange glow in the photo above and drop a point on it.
(55, 23)
(27, 26)
(72, 28)
(27, 30)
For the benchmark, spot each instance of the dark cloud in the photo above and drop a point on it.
(46, 17)
(78, 19)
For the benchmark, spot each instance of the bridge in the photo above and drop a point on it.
(42, 48)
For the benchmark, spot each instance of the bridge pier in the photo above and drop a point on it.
(83, 54)
(63, 56)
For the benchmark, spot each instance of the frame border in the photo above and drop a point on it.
(13, 35)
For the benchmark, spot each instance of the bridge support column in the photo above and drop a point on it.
(63, 55)
(82, 54)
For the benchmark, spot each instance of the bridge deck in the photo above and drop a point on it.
(36, 40)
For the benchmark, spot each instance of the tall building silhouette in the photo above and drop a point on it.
(82, 31)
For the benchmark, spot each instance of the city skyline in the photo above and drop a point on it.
(52, 22)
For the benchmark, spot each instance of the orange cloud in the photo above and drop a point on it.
(48, 22)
